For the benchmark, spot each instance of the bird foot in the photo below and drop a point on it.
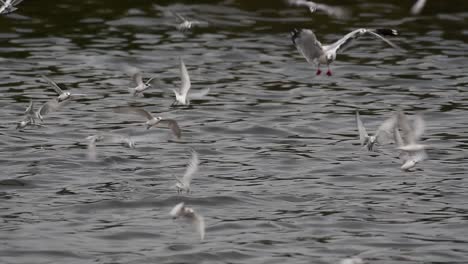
(318, 72)
(329, 73)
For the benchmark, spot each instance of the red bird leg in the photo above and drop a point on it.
(329, 73)
(319, 71)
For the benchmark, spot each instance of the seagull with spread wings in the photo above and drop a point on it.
(151, 120)
(62, 95)
(183, 184)
(182, 95)
(382, 136)
(314, 52)
(337, 12)
(187, 213)
(412, 152)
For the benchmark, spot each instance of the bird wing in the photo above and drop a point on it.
(361, 129)
(53, 85)
(406, 129)
(180, 17)
(16, 2)
(173, 125)
(344, 42)
(184, 76)
(192, 167)
(199, 223)
(384, 134)
(137, 78)
(175, 212)
(134, 110)
(307, 44)
(334, 11)
(30, 109)
(397, 137)
(417, 7)
(51, 106)
(418, 127)
(200, 94)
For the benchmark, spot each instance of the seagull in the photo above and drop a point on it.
(192, 167)
(313, 51)
(182, 96)
(180, 210)
(337, 12)
(353, 260)
(382, 136)
(30, 118)
(111, 138)
(62, 95)
(151, 120)
(417, 7)
(187, 24)
(50, 106)
(411, 151)
(8, 6)
(140, 85)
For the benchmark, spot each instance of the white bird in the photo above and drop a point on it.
(151, 120)
(192, 167)
(417, 7)
(314, 52)
(30, 116)
(337, 12)
(140, 85)
(382, 136)
(182, 96)
(412, 152)
(62, 95)
(353, 260)
(49, 107)
(111, 138)
(9, 6)
(181, 211)
(187, 24)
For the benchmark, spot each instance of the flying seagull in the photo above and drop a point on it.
(182, 95)
(192, 167)
(151, 120)
(313, 51)
(140, 85)
(186, 24)
(181, 211)
(337, 12)
(382, 136)
(412, 152)
(62, 95)
(8, 6)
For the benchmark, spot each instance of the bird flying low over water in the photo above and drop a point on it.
(182, 95)
(412, 152)
(183, 184)
(8, 6)
(151, 120)
(382, 136)
(62, 95)
(188, 214)
(314, 52)
(140, 85)
(337, 12)
(186, 24)
(418, 7)
(31, 116)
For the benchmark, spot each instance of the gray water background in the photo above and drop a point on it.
(282, 178)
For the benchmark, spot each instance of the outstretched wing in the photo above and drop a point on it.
(307, 44)
(53, 85)
(200, 94)
(384, 134)
(176, 210)
(418, 6)
(173, 125)
(192, 167)
(134, 110)
(51, 106)
(361, 129)
(344, 42)
(199, 223)
(184, 76)
(137, 78)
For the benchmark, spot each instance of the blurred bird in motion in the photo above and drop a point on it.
(337, 12)
(411, 151)
(314, 52)
(382, 136)
(188, 214)
(183, 184)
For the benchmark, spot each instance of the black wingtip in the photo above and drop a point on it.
(295, 34)
(387, 32)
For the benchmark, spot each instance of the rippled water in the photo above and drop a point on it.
(283, 178)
